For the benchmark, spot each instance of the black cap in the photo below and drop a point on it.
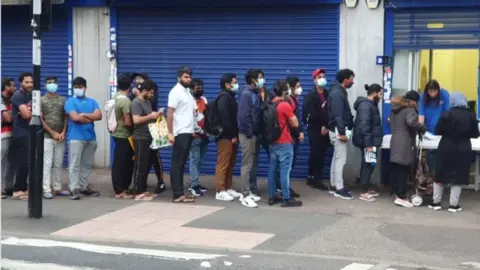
(412, 95)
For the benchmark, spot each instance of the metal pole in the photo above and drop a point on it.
(35, 138)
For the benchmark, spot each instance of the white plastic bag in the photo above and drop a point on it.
(159, 132)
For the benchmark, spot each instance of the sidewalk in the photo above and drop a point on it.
(324, 225)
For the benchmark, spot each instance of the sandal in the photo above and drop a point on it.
(184, 199)
(146, 196)
(124, 195)
(20, 195)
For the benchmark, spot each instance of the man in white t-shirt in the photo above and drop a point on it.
(181, 122)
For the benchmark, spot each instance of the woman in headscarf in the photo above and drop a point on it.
(454, 154)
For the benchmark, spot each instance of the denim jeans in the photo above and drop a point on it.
(197, 155)
(281, 157)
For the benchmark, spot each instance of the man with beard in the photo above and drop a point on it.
(181, 122)
(8, 88)
(21, 115)
(340, 122)
(138, 79)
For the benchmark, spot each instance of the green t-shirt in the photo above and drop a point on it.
(122, 106)
(53, 113)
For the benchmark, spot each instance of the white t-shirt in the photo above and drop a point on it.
(184, 104)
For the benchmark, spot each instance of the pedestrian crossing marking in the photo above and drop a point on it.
(358, 266)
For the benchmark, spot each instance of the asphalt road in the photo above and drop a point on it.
(43, 254)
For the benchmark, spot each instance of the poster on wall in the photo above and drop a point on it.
(387, 84)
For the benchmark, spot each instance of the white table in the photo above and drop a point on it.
(433, 144)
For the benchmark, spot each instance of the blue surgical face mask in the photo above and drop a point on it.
(235, 87)
(52, 87)
(322, 82)
(260, 82)
(78, 92)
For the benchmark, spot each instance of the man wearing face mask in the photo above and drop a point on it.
(249, 119)
(21, 115)
(294, 93)
(54, 121)
(200, 141)
(8, 88)
(82, 112)
(315, 116)
(340, 124)
(227, 140)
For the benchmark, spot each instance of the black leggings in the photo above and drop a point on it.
(399, 179)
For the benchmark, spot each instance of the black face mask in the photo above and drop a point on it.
(198, 93)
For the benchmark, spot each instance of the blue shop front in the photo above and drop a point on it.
(285, 37)
(431, 40)
(214, 37)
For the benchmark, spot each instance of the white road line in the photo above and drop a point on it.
(358, 266)
(474, 265)
(23, 265)
(164, 254)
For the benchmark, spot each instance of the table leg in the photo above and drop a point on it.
(477, 172)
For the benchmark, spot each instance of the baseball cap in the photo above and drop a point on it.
(318, 71)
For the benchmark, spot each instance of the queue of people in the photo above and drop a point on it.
(257, 119)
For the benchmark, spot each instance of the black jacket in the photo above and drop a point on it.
(339, 112)
(227, 108)
(313, 113)
(368, 131)
(454, 154)
(296, 131)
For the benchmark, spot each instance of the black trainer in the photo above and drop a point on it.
(89, 192)
(74, 195)
(454, 209)
(291, 203)
(275, 200)
(7, 192)
(310, 180)
(202, 188)
(160, 188)
(319, 185)
(435, 206)
(294, 194)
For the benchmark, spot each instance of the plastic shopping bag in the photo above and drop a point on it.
(159, 132)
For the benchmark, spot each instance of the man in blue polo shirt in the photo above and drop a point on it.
(82, 113)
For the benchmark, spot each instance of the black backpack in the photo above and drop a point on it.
(271, 128)
(212, 124)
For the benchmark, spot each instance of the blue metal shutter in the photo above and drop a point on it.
(446, 28)
(282, 41)
(17, 46)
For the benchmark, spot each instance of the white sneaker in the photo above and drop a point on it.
(255, 197)
(248, 201)
(233, 193)
(224, 196)
(404, 203)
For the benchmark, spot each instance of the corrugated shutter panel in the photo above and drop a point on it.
(437, 28)
(17, 46)
(282, 41)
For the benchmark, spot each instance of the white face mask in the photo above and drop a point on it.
(235, 87)
(322, 82)
(289, 92)
(298, 91)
